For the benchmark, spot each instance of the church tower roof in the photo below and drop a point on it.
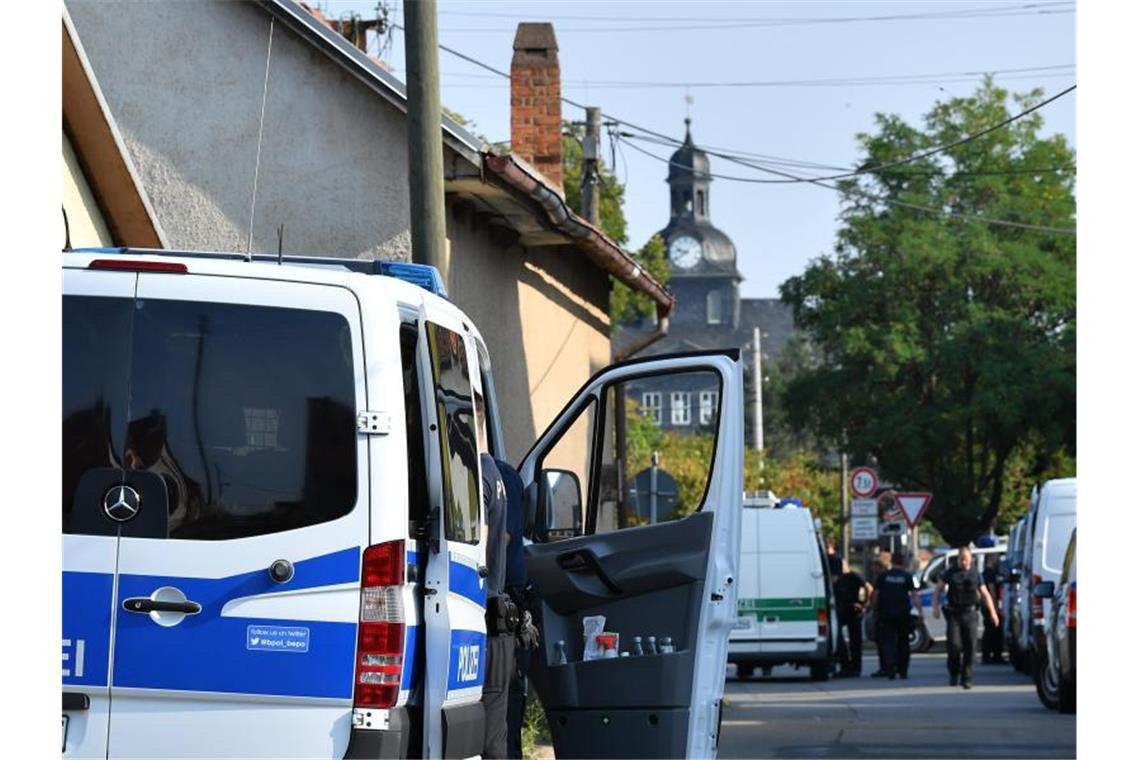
(689, 164)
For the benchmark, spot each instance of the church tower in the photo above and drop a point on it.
(702, 258)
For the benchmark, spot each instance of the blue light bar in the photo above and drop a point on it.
(424, 275)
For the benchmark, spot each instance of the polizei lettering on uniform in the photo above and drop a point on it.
(73, 652)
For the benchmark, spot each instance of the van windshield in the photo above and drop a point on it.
(246, 413)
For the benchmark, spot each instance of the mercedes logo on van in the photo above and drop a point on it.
(121, 503)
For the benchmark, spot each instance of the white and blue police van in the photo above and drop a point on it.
(273, 543)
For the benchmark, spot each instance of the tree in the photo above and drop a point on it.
(947, 346)
(625, 303)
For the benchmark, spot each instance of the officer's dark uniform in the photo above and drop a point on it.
(500, 627)
(848, 587)
(962, 596)
(992, 636)
(893, 620)
(516, 587)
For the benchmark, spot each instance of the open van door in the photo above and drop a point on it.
(657, 560)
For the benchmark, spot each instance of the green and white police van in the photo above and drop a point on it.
(785, 609)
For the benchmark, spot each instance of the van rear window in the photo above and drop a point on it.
(246, 412)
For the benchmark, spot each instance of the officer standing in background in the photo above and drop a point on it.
(518, 589)
(965, 589)
(502, 616)
(991, 638)
(852, 593)
(892, 598)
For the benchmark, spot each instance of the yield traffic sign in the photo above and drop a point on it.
(913, 505)
(864, 481)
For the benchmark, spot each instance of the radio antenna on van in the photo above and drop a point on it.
(260, 131)
(280, 238)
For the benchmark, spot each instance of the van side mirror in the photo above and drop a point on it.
(559, 509)
(1044, 590)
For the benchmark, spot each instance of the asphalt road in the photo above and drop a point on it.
(787, 715)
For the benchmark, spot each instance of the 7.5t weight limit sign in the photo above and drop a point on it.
(864, 482)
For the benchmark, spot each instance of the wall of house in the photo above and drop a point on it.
(186, 94)
(84, 219)
(555, 309)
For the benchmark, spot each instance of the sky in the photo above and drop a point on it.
(778, 229)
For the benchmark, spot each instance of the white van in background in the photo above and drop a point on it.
(785, 605)
(1052, 518)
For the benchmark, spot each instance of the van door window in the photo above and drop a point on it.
(665, 471)
(96, 372)
(246, 412)
(414, 424)
(455, 411)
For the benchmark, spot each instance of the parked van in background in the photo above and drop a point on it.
(1052, 519)
(273, 531)
(1056, 678)
(1014, 589)
(786, 605)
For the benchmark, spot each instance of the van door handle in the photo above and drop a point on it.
(144, 605)
(585, 561)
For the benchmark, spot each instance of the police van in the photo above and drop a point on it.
(273, 543)
(786, 608)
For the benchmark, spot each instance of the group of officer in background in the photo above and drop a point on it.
(959, 591)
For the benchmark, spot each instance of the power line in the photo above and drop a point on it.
(775, 20)
(815, 181)
(704, 24)
(876, 198)
(914, 156)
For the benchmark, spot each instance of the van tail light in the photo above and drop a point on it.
(1071, 610)
(380, 640)
(821, 621)
(1037, 606)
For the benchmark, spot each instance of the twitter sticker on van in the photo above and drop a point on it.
(273, 638)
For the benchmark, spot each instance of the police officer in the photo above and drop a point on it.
(520, 592)
(852, 593)
(992, 638)
(502, 615)
(892, 598)
(965, 589)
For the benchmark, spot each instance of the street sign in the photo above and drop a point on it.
(913, 505)
(891, 529)
(864, 528)
(864, 481)
(864, 508)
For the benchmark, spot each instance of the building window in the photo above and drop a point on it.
(709, 401)
(651, 406)
(715, 307)
(679, 408)
(701, 202)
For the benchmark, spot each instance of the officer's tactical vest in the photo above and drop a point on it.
(963, 589)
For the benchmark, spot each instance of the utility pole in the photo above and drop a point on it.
(757, 398)
(590, 176)
(844, 508)
(425, 144)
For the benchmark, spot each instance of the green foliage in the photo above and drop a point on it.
(535, 729)
(625, 303)
(948, 347)
(781, 436)
(801, 474)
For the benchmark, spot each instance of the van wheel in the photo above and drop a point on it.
(919, 639)
(744, 670)
(1048, 690)
(820, 671)
(1067, 697)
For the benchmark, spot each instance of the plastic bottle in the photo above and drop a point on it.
(560, 652)
(667, 645)
(651, 645)
(637, 650)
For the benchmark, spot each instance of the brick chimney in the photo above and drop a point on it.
(536, 100)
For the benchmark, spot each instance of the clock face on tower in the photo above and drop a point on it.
(685, 252)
